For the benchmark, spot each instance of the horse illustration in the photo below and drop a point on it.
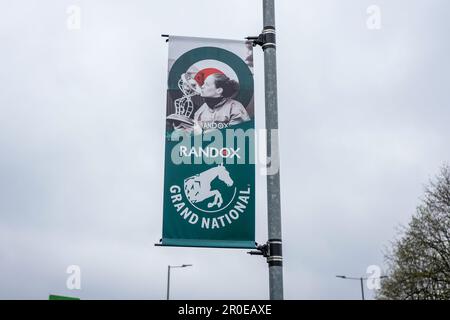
(198, 187)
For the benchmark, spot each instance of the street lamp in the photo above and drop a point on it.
(360, 279)
(168, 276)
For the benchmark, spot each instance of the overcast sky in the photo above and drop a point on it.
(364, 124)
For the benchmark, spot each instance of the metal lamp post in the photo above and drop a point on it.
(361, 279)
(272, 250)
(168, 276)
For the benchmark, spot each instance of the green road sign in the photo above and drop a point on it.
(56, 297)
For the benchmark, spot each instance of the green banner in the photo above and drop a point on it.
(209, 174)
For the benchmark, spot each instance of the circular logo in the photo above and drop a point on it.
(239, 67)
(211, 191)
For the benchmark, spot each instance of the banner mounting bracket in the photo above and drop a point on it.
(267, 39)
(165, 36)
(262, 250)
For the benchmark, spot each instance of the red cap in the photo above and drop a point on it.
(201, 76)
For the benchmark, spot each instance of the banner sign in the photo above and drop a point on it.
(209, 174)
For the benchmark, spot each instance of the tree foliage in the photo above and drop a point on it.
(419, 261)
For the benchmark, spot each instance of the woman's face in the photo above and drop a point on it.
(209, 89)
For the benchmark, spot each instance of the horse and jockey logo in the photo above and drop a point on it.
(211, 199)
(198, 188)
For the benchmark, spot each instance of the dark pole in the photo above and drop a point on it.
(362, 282)
(362, 288)
(275, 259)
(168, 282)
(168, 276)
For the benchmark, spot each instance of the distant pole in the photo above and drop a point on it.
(275, 259)
(362, 281)
(362, 288)
(168, 276)
(168, 282)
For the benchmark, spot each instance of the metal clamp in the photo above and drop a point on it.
(262, 250)
(272, 250)
(275, 253)
(267, 39)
